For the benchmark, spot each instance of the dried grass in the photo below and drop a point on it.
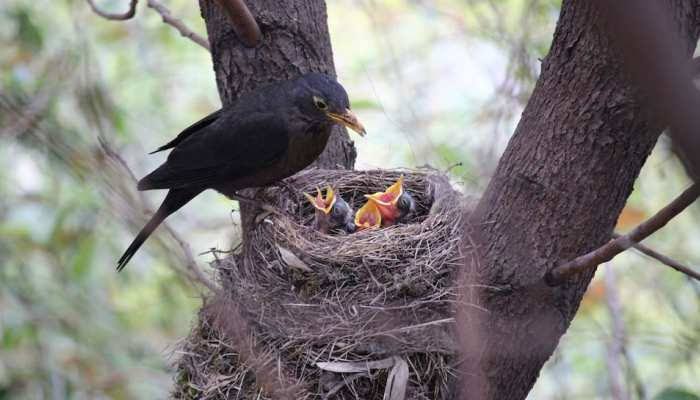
(342, 314)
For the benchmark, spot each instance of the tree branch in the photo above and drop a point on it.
(616, 246)
(177, 23)
(112, 16)
(242, 21)
(649, 252)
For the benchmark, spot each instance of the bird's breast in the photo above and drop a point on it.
(305, 148)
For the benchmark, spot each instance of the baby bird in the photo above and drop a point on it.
(332, 212)
(394, 204)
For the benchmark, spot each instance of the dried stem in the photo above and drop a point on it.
(177, 23)
(616, 246)
(242, 21)
(664, 259)
(112, 16)
(618, 337)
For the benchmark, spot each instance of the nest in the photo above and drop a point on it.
(307, 315)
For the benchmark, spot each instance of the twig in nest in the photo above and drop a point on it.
(616, 246)
(664, 259)
(115, 16)
(242, 21)
(177, 23)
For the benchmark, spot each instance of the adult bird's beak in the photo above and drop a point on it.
(349, 119)
(368, 216)
(320, 203)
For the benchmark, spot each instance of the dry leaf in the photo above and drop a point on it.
(352, 367)
(292, 260)
(397, 381)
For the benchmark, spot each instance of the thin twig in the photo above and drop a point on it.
(618, 337)
(616, 246)
(115, 16)
(664, 259)
(177, 23)
(242, 21)
(24, 116)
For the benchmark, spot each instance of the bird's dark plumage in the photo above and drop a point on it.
(197, 126)
(341, 217)
(265, 136)
(406, 206)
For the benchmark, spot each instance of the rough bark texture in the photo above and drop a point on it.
(295, 41)
(558, 190)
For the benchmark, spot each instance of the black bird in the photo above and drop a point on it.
(332, 212)
(265, 136)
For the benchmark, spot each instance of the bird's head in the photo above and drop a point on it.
(324, 99)
(332, 212)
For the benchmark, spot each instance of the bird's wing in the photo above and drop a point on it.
(222, 152)
(194, 128)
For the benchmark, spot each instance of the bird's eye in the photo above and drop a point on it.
(320, 103)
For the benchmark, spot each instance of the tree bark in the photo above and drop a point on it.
(556, 194)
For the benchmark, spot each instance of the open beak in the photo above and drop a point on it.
(386, 202)
(368, 216)
(390, 196)
(349, 120)
(320, 203)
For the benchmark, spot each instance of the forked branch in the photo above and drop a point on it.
(664, 259)
(617, 245)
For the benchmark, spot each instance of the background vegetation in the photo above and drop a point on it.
(435, 82)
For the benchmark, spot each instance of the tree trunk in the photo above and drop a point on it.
(558, 190)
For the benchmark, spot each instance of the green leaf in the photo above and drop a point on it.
(28, 33)
(365, 104)
(83, 257)
(676, 394)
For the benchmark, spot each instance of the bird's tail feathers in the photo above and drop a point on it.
(174, 200)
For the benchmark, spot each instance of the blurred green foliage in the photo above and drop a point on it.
(81, 97)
